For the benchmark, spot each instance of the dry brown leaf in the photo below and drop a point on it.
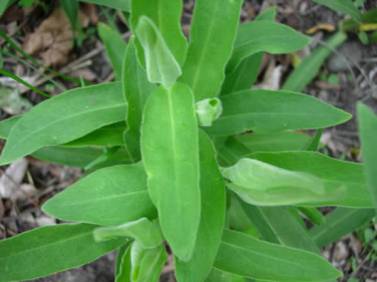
(53, 39)
(12, 178)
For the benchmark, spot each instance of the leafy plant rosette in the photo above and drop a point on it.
(180, 152)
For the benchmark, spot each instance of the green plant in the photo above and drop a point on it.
(162, 154)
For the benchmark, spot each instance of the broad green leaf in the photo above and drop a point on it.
(265, 36)
(6, 125)
(110, 157)
(368, 133)
(246, 73)
(64, 118)
(268, 111)
(170, 152)
(263, 184)
(214, 28)
(115, 47)
(124, 5)
(212, 218)
(166, 15)
(110, 135)
(220, 276)
(161, 65)
(273, 142)
(76, 157)
(136, 89)
(123, 264)
(339, 223)
(288, 232)
(107, 136)
(343, 6)
(109, 196)
(335, 174)
(147, 233)
(51, 249)
(147, 264)
(245, 256)
(308, 69)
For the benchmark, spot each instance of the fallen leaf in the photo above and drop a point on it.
(11, 179)
(53, 39)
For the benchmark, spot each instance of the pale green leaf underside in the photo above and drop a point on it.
(268, 111)
(170, 153)
(335, 174)
(109, 196)
(64, 118)
(51, 249)
(245, 256)
(161, 65)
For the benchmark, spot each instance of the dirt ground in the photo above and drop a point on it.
(352, 67)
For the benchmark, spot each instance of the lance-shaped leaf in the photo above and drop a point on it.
(64, 118)
(170, 152)
(343, 6)
(107, 136)
(147, 264)
(109, 196)
(136, 89)
(212, 218)
(6, 125)
(263, 184)
(339, 223)
(115, 47)
(221, 276)
(124, 5)
(166, 15)
(3, 6)
(335, 174)
(265, 36)
(368, 133)
(288, 232)
(243, 255)
(268, 111)
(309, 68)
(51, 249)
(161, 65)
(147, 233)
(213, 31)
(246, 73)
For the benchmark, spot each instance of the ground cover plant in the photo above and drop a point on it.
(180, 152)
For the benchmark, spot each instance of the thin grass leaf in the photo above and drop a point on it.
(344, 6)
(309, 67)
